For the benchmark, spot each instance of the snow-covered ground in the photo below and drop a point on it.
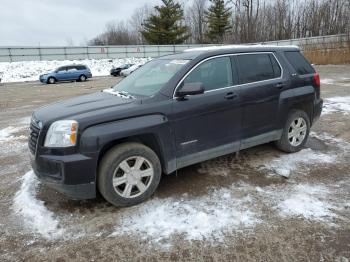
(12, 139)
(340, 104)
(30, 70)
(239, 206)
(342, 81)
(37, 217)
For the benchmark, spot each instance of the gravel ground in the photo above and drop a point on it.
(232, 208)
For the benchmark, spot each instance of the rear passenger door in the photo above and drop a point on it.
(72, 73)
(261, 82)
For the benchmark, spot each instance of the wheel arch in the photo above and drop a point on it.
(81, 76)
(148, 139)
(301, 98)
(51, 77)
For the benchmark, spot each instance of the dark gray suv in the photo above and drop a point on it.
(173, 112)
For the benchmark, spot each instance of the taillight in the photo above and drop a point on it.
(317, 80)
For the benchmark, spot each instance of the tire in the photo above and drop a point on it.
(295, 135)
(51, 80)
(82, 78)
(115, 182)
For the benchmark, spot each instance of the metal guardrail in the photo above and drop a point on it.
(13, 54)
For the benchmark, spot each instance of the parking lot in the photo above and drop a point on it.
(236, 207)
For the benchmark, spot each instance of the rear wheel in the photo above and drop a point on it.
(129, 174)
(82, 78)
(51, 80)
(295, 132)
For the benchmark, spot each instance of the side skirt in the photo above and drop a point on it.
(228, 148)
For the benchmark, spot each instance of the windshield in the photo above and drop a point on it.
(150, 78)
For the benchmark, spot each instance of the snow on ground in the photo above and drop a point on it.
(6, 134)
(308, 201)
(279, 164)
(30, 70)
(212, 216)
(311, 202)
(289, 163)
(12, 139)
(342, 81)
(35, 216)
(207, 217)
(339, 104)
(226, 211)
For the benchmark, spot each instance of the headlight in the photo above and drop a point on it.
(62, 133)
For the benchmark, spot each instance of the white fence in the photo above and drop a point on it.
(12, 54)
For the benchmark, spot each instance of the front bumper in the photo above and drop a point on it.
(43, 79)
(73, 175)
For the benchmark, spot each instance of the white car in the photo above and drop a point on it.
(130, 70)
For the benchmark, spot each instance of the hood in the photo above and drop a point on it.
(75, 107)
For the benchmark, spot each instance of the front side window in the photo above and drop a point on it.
(213, 74)
(257, 67)
(150, 78)
(61, 69)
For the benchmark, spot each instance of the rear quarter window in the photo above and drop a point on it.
(299, 63)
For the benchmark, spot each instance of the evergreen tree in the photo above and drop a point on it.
(165, 27)
(218, 16)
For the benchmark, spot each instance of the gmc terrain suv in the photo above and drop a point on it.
(173, 112)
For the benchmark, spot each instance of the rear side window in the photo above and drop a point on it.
(300, 64)
(81, 67)
(214, 73)
(71, 68)
(257, 67)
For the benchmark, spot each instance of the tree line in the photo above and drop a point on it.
(230, 21)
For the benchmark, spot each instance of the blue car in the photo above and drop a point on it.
(67, 73)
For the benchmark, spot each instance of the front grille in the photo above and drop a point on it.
(34, 130)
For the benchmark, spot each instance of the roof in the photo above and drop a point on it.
(239, 48)
(192, 53)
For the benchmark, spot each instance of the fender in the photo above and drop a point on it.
(292, 98)
(94, 138)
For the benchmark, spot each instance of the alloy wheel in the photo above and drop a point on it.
(132, 177)
(297, 131)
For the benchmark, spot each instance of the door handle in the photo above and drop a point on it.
(280, 85)
(230, 95)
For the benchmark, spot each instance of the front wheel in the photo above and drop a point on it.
(51, 80)
(295, 132)
(129, 174)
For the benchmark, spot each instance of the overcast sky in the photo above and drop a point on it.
(54, 22)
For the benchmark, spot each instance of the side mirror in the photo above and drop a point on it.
(190, 89)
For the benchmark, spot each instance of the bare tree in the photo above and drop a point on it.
(137, 19)
(196, 21)
(116, 33)
(251, 21)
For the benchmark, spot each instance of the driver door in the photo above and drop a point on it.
(207, 125)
